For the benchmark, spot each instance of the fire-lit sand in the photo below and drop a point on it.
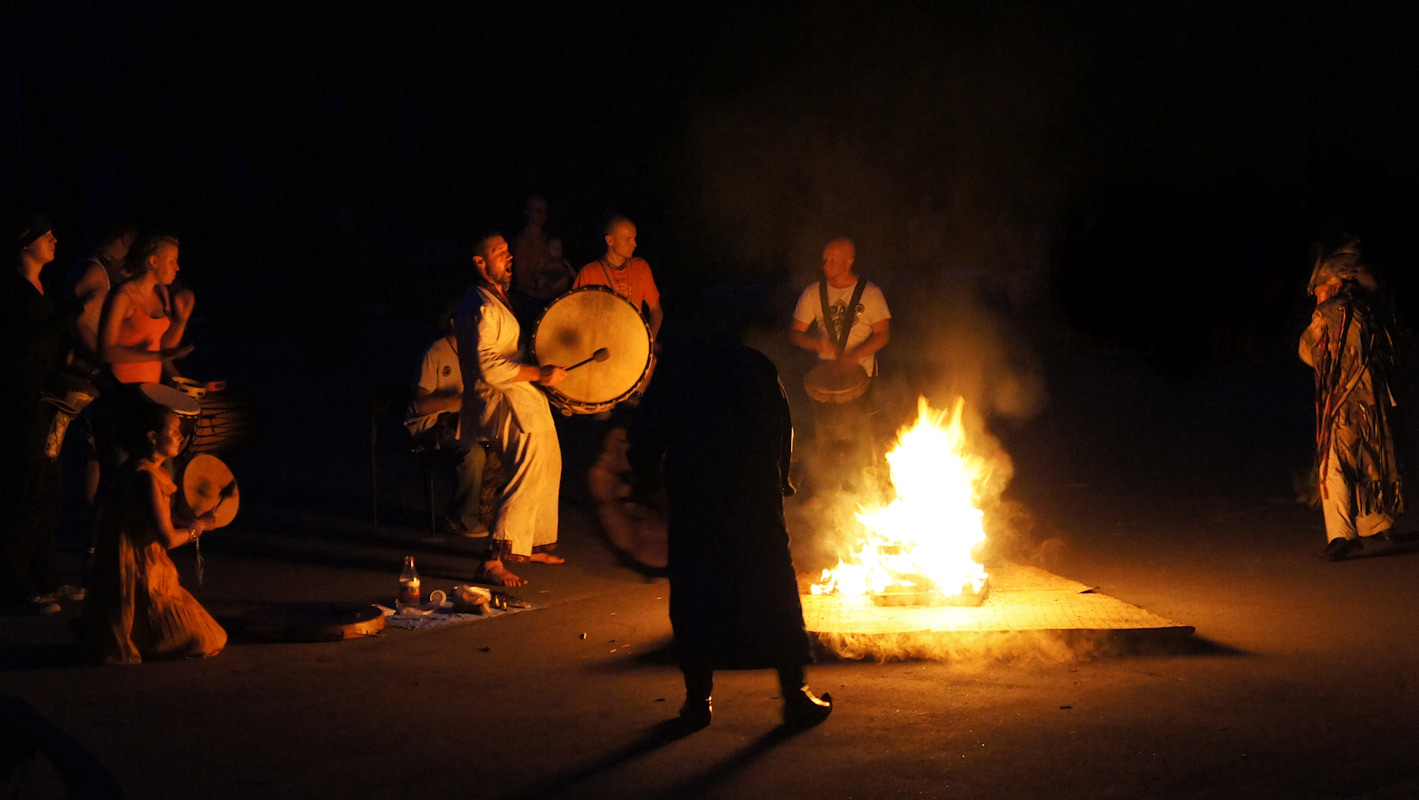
(909, 582)
(1021, 598)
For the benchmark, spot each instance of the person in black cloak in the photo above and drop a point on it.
(715, 424)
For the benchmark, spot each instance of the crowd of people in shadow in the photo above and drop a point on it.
(87, 377)
(92, 383)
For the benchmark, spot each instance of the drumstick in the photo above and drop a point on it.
(601, 354)
(227, 491)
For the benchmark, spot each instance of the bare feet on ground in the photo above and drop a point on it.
(495, 573)
(546, 558)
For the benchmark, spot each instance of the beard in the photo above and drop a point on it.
(501, 282)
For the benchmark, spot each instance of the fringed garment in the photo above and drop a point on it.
(1351, 344)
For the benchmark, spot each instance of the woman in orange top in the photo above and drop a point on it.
(142, 323)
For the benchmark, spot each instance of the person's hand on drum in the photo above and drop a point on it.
(846, 362)
(826, 348)
(550, 375)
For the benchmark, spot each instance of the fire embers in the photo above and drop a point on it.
(920, 548)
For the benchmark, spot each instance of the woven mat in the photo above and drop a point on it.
(440, 619)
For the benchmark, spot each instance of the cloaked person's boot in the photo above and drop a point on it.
(802, 708)
(696, 711)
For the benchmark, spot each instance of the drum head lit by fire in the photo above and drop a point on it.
(208, 486)
(573, 328)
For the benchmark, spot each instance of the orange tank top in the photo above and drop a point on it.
(145, 332)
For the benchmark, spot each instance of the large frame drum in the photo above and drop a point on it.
(573, 328)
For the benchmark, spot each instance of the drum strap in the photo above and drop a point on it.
(849, 314)
(616, 286)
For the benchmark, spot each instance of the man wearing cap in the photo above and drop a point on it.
(502, 407)
(1351, 345)
(31, 353)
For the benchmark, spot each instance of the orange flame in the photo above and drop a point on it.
(924, 539)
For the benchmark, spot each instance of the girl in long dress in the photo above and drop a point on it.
(136, 609)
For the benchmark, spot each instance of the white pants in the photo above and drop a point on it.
(525, 517)
(1338, 504)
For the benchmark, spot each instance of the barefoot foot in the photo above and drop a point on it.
(546, 558)
(494, 573)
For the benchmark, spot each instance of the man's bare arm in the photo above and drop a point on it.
(881, 334)
(657, 316)
(89, 293)
(818, 344)
(547, 375)
(427, 402)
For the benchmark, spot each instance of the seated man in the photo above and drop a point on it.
(435, 401)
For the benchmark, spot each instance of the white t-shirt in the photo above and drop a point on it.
(438, 372)
(871, 309)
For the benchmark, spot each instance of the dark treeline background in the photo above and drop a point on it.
(1152, 174)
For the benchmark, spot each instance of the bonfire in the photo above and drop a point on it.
(920, 548)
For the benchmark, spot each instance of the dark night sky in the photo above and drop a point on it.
(337, 155)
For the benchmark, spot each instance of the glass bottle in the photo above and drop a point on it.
(408, 584)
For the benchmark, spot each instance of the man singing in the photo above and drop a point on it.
(502, 407)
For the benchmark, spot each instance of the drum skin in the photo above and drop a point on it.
(574, 327)
(829, 383)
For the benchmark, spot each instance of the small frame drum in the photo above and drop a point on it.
(829, 383)
(574, 327)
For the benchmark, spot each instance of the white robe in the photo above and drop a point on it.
(513, 416)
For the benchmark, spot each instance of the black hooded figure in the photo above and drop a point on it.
(715, 424)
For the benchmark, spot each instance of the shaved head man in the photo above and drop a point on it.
(869, 318)
(844, 319)
(626, 275)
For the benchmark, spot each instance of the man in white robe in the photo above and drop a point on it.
(503, 408)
